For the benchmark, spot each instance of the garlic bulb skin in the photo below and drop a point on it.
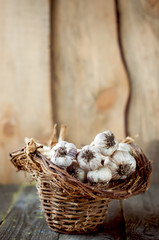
(114, 170)
(105, 160)
(76, 171)
(106, 142)
(103, 174)
(46, 151)
(46, 148)
(124, 147)
(126, 164)
(65, 144)
(61, 161)
(63, 153)
(89, 158)
(80, 174)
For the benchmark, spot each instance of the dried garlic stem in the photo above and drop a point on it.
(62, 133)
(53, 139)
(130, 139)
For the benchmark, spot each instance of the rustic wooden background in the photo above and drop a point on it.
(93, 65)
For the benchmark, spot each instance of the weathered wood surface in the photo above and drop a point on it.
(112, 229)
(134, 218)
(141, 215)
(7, 197)
(139, 25)
(90, 85)
(25, 99)
(25, 219)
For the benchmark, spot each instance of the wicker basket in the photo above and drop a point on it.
(71, 206)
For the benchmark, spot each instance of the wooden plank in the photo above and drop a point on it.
(154, 194)
(142, 215)
(26, 220)
(25, 99)
(112, 229)
(90, 85)
(139, 24)
(114, 226)
(7, 196)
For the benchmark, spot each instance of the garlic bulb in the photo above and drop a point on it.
(89, 158)
(63, 153)
(123, 164)
(106, 142)
(80, 174)
(114, 170)
(124, 147)
(76, 171)
(103, 174)
(61, 161)
(70, 147)
(46, 151)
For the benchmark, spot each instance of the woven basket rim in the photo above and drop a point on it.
(138, 182)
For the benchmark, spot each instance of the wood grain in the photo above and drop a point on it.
(26, 220)
(25, 99)
(112, 229)
(7, 196)
(139, 23)
(90, 85)
(141, 215)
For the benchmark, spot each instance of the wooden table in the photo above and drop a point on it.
(21, 217)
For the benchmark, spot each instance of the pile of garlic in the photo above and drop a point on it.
(103, 160)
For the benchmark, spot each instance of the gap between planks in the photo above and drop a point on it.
(88, 76)
(119, 35)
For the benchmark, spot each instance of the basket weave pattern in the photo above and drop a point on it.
(69, 213)
(70, 205)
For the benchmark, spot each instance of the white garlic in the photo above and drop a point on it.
(80, 174)
(106, 142)
(123, 164)
(63, 153)
(100, 175)
(89, 158)
(114, 170)
(105, 160)
(62, 161)
(124, 147)
(46, 151)
(68, 146)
